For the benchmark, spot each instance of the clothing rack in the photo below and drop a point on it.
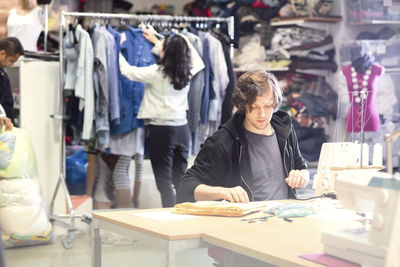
(68, 240)
(152, 18)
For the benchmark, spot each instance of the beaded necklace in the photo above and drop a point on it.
(360, 90)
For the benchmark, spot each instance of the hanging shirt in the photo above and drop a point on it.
(84, 80)
(26, 28)
(101, 48)
(196, 86)
(115, 81)
(221, 78)
(208, 77)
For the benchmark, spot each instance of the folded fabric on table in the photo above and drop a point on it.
(219, 208)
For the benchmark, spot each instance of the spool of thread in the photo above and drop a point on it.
(377, 156)
(365, 154)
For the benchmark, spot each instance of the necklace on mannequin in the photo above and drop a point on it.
(360, 86)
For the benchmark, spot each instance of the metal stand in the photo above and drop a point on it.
(46, 25)
(68, 240)
(362, 128)
(2, 257)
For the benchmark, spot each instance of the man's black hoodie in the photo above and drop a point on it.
(224, 159)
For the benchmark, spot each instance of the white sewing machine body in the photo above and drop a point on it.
(376, 243)
(336, 157)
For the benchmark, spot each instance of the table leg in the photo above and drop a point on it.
(171, 251)
(96, 245)
(174, 246)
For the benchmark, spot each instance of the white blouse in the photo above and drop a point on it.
(26, 28)
(161, 101)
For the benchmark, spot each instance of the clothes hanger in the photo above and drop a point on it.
(123, 26)
(72, 30)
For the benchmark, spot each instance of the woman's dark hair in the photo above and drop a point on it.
(252, 84)
(176, 61)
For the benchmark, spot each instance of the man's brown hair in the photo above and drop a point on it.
(255, 83)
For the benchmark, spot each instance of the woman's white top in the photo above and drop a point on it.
(162, 104)
(26, 28)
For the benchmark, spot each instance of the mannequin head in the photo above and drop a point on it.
(361, 59)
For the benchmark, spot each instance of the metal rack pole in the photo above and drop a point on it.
(146, 17)
(46, 25)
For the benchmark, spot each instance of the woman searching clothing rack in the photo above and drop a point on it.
(164, 108)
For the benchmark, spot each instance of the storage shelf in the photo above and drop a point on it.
(392, 70)
(318, 72)
(376, 22)
(267, 69)
(302, 20)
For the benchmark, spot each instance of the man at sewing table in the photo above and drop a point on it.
(252, 157)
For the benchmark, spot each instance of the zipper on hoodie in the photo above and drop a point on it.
(240, 159)
(284, 166)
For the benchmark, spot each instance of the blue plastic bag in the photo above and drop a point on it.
(76, 172)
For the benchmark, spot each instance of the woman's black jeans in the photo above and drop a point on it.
(168, 152)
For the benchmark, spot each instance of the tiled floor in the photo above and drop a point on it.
(116, 250)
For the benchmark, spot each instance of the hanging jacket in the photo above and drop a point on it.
(224, 159)
(137, 51)
(227, 105)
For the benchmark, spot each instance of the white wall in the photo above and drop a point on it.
(39, 86)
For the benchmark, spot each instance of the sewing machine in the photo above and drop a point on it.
(376, 242)
(339, 156)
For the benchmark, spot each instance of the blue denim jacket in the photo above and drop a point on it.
(137, 51)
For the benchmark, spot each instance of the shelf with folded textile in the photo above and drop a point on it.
(376, 22)
(266, 69)
(308, 20)
(312, 103)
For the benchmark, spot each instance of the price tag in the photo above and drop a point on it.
(123, 38)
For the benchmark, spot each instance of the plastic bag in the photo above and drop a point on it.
(23, 160)
(76, 172)
(22, 208)
(7, 146)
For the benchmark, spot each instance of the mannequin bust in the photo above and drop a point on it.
(26, 23)
(362, 76)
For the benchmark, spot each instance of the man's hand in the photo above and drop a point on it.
(298, 178)
(234, 194)
(7, 123)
